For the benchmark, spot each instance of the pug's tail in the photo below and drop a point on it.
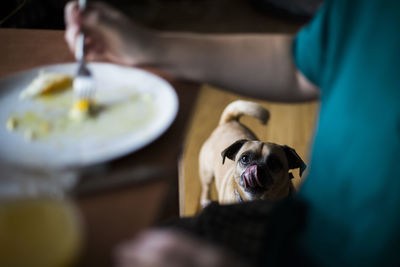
(239, 108)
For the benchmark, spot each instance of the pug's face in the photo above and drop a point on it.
(262, 169)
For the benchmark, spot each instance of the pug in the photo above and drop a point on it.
(243, 167)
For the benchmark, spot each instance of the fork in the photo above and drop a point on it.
(83, 84)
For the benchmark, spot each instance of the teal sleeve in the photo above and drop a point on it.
(310, 44)
(352, 190)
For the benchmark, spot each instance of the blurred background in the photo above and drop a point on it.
(180, 15)
(290, 124)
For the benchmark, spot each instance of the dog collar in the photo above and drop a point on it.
(238, 196)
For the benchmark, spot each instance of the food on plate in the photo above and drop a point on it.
(51, 82)
(47, 82)
(52, 116)
(81, 109)
(11, 123)
(31, 125)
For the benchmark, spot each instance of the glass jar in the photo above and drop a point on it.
(39, 225)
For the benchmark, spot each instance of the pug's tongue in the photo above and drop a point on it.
(250, 177)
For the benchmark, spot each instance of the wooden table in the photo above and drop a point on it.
(111, 214)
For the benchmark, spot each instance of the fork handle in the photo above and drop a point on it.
(82, 4)
(80, 42)
(80, 47)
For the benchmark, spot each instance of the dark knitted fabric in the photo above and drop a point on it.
(261, 233)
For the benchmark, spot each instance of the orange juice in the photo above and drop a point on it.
(39, 232)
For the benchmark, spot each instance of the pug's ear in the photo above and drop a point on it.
(231, 151)
(294, 159)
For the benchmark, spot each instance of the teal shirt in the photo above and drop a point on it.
(351, 50)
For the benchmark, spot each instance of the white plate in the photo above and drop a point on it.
(113, 83)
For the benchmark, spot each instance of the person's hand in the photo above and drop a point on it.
(167, 248)
(109, 35)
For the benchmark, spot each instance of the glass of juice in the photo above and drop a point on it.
(39, 225)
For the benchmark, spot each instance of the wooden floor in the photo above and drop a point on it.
(290, 124)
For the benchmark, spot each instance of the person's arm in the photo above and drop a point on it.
(173, 248)
(255, 65)
(260, 65)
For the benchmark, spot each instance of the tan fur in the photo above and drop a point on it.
(239, 108)
(227, 175)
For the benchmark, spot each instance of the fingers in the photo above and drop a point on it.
(71, 14)
(75, 18)
(156, 248)
(77, 21)
(103, 11)
(167, 248)
(72, 22)
(106, 32)
(94, 49)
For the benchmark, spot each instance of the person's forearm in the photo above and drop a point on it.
(255, 65)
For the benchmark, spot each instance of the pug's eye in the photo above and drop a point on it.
(274, 164)
(245, 159)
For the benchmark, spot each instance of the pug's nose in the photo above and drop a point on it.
(263, 179)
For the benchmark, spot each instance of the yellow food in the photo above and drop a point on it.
(80, 109)
(11, 123)
(45, 83)
(82, 105)
(31, 125)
